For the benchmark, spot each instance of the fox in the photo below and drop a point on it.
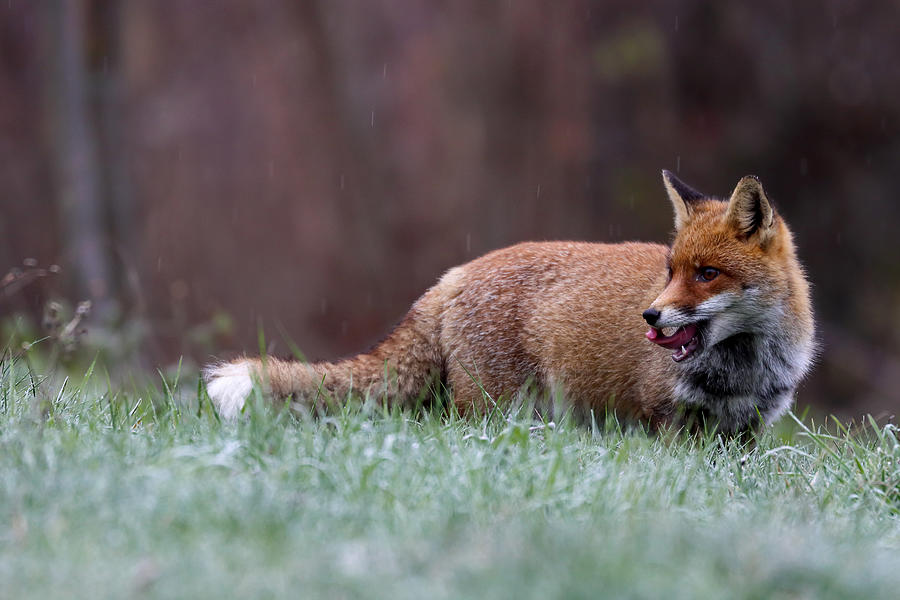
(714, 328)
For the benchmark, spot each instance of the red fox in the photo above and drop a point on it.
(730, 338)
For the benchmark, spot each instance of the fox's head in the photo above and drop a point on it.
(731, 269)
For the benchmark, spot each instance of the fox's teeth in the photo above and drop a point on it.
(683, 350)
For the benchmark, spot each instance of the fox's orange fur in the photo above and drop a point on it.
(563, 320)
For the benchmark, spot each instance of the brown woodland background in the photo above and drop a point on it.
(198, 169)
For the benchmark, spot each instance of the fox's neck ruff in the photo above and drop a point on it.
(744, 377)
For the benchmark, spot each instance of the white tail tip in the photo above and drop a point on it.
(229, 385)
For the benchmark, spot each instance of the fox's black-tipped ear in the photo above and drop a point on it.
(681, 196)
(749, 210)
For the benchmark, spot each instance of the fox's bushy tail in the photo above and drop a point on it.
(402, 369)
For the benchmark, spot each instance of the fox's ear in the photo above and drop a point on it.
(681, 195)
(749, 210)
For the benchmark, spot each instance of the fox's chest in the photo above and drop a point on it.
(739, 380)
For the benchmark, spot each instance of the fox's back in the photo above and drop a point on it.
(564, 315)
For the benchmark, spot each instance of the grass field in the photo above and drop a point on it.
(108, 494)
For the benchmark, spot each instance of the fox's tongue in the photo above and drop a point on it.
(675, 341)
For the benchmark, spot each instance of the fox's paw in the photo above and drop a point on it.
(229, 385)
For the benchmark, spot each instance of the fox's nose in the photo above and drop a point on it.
(651, 315)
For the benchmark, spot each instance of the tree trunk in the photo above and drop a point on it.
(73, 148)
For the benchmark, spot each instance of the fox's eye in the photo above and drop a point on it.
(708, 273)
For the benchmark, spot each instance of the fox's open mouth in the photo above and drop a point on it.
(684, 340)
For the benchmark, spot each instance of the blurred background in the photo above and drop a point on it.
(204, 171)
